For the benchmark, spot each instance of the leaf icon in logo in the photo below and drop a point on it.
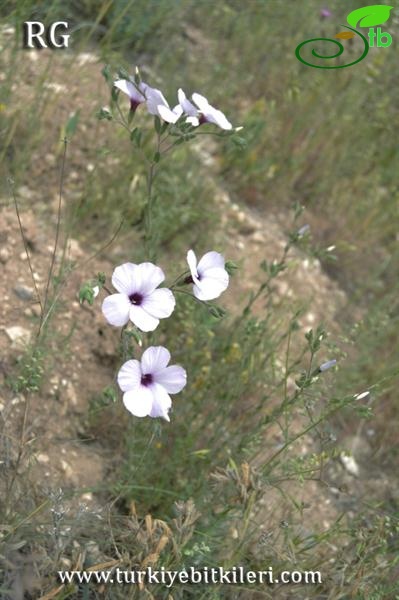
(345, 35)
(369, 16)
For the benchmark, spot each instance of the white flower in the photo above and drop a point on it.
(327, 365)
(303, 230)
(134, 91)
(362, 395)
(138, 299)
(147, 383)
(209, 114)
(210, 278)
(158, 106)
(170, 115)
(154, 99)
(192, 113)
(203, 112)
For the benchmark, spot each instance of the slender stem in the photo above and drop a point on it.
(20, 453)
(313, 425)
(287, 354)
(150, 205)
(11, 184)
(171, 287)
(57, 235)
(105, 246)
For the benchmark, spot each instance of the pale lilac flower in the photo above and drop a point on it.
(209, 114)
(362, 395)
(325, 13)
(170, 115)
(327, 365)
(158, 106)
(192, 113)
(303, 230)
(147, 383)
(138, 299)
(136, 92)
(154, 100)
(209, 276)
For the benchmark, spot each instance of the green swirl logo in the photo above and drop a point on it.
(340, 51)
(368, 16)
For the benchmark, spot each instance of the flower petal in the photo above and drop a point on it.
(209, 261)
(148, 277)
(212, 115)
(189, 109)
(116, 309)
(139, 401)
(154, 359)
(154, 98)
(160, 303)
(128, 88)
(173, 378)
(142, 319)
(194, 121)
(124, 278)
(210, 287)
(161, 402)
(200, 101)
(129, 376)
(192, 263)
(168, 115)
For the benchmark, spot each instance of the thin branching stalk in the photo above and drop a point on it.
(57, 235)
(11, 184)
(20, 454)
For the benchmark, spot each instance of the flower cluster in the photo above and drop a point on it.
(195, 112)
(139, 299)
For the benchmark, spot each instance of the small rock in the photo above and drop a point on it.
(4, 255)
(258, 237)
(17, 400)
(42, 458)
(66, 468)
(93, 551)
(50, 159)
(71, 394)
(19, 336)
(66, 562)
(87, 497)
(24, 292)
(350, 465)
(75, 250)
(36, 310)
(24, 192)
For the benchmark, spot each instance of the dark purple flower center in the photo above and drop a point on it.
(202, 119)
(146, 379)
(189, 279)
(134, 104)
(136, 298)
